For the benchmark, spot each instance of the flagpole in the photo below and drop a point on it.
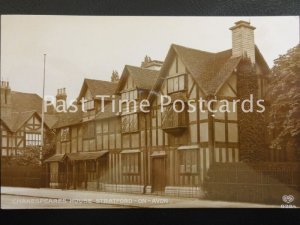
(43, 112)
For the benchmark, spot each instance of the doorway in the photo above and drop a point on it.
(158, 174)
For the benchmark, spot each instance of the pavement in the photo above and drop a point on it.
(57, 198)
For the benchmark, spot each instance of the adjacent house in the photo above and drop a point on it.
(21, 122)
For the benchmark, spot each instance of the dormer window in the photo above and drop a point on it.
(176, 83)
(130, 95)
(89, 105)
(129, 99)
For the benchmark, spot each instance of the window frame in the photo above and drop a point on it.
(188, 157)
(132, 163)
(129, 118)
(89, 105)
(88, 130)
(30, 137)
(173, 81)
(66, 134)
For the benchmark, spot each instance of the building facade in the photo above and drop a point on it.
(164, 151)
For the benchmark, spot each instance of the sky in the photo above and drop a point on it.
(79, 47)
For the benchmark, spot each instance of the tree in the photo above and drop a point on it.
(284, 95)
(252, 126)
(49, 144)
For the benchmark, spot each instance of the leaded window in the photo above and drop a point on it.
(130, 123)
(65, 134)
(33, 139)
(176, 83)
(188, 161)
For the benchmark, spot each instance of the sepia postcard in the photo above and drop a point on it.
(150, 112)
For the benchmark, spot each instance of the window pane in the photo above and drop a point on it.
(175, 83)
(170, 85)
(181, 83)
(135, 94)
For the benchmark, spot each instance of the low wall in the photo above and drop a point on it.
(192, 192)
(126, 188)
(21, 176)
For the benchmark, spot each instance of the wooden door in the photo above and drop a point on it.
(102, 171)
(158, 174)
(80, 170)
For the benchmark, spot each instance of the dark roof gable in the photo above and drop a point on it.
(209, 70)
(23, 107)
(97, 87)
(142, 77)
(17, 119)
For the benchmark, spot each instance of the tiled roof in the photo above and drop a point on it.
(16, 120)
(98, 87)
(23, 106)
(26, 102)
(209, 70)
(56, 158)
(68, 118)
(142, 77)
(78, 156)
(51, 120)
(20, 118)
(11, 121)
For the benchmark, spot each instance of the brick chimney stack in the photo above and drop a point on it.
(5, 93)
(5, 98)
(61, 95)
(148, 63)
(243, 40)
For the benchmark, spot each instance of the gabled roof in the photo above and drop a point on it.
(209, 70)
(142, 77)
(97, 87)
(11, 121)
(23, 106)
(68, 118)
(17, 119)
(26, 102)
(50, 120)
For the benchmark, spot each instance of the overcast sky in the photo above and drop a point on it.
(79, 47)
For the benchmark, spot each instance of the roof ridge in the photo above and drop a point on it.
(199, 50)
(194, 49)
(27, 93)
(98, 80)
(140, 68)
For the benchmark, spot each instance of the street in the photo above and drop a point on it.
(25, 198)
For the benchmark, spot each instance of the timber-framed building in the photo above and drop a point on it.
(159, 152)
